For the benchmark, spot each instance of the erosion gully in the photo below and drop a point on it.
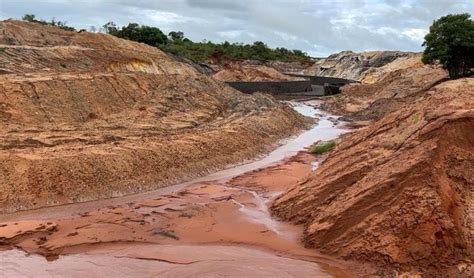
(215, 225)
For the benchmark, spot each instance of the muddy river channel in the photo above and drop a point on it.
(214, 226)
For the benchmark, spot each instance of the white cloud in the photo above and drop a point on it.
(321, 27)
(230, 34)
(285, 36)
(164, 17)
(415, 34)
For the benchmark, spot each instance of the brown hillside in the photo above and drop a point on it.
(356, 66)
(395, 85)
(87, 116)
(399, 192)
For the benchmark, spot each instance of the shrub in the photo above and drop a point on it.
(53, 22)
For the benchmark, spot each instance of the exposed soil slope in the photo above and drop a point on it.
(351, 65)
(88, 116)
(239, 72)
(386, 89)
(399, 192)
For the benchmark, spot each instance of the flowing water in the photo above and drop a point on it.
(324, 130)
(15, 263)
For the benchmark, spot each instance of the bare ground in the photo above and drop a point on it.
(89, 116)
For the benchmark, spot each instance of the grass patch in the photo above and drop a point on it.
(324, 147)
(416, 118)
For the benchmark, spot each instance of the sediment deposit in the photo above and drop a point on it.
(209, 227)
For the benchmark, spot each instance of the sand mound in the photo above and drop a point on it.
(351, 65)
(88, 116)
(239, 72)
(399, 192)
(375, 74)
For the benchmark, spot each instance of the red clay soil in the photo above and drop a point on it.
(222, 216)
(398, 193)
(88, 116)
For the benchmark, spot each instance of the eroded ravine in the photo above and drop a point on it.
(215, 224)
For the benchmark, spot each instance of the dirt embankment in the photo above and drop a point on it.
(88, 116)
(398, 193)
(395, 85)
(355, 66)
(247, 72)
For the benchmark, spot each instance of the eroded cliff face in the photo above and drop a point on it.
(355, 66)
(397, 193)
(386, 89)
(87, 116)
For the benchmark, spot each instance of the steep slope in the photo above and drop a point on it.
(87, 116)
(386, 89)
(398, 193)
(355, 66)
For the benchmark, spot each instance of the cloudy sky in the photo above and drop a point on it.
(319, 27)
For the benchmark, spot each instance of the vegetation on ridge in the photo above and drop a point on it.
(53, 22)
(176, 43)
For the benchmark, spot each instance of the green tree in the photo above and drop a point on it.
(176, 36)
(61, 24)
(141, 33)
(451, 42)
(110, 28)
(29, 17)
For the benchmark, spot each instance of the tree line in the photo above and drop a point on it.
(176, 43)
